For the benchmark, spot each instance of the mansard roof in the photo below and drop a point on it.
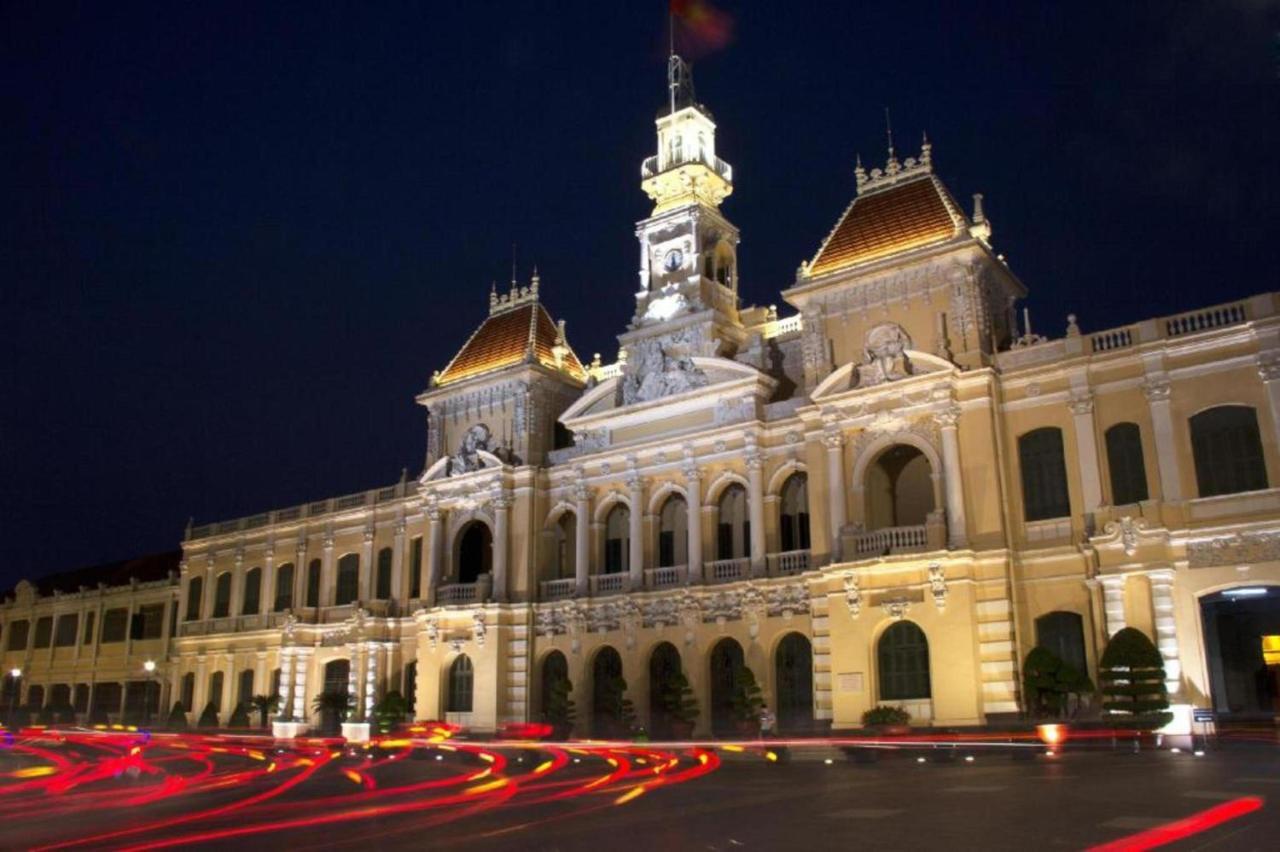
(518, 331)
(888, 217)
(144, 569)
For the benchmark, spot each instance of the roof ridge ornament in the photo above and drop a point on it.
(894, 170)
(516, 297)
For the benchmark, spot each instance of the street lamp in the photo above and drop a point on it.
(15, 673)
(150, 667)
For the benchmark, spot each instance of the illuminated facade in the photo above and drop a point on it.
(888, 496)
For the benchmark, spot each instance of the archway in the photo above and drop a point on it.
(606, 672)
(902, 658)
(899, 488)
(726, 661)
(555, 670)
(1243, 686)
(475, 552)
(664, 666)
(793, 683)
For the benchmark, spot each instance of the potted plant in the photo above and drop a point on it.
(264, 704)
(332, 708)
(390, 711)
(747, 702)
(559, 710)
(887, 721)
(680, 705)
(1131, 676)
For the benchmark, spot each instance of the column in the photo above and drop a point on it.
(370, 679)
(355, 654)
(301, 664)
(1157, 391)
(328, 582)
(1113, 603)
(1161, 581)
(501, 511)
(635, 555)
(948, 422)
(693, 485)
(267, 593)
(1081, 406)
(1269, 372)
(581, 529)
(300, 573)
(285, 707)
(434, 550)
(262, 683)
(237, 586)
(200, 697)
(367, 568)
(755, 510)
(206, 593)
(833, 439)
(399, 591)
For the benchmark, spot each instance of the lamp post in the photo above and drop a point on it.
(15, 673)
(150, 667)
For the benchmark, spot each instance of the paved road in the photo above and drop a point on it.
(238, 794)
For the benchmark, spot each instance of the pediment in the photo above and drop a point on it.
(872, 373)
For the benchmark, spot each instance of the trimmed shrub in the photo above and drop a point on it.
(1131, 677)
(178, 717)
(560, 710)
(615, 705)
(209, 717)
(885, 715)
(391, 710)
(239, 716)
(746, 696)
(1049, 684)
(678, 699)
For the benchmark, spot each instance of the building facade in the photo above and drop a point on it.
(887, 496)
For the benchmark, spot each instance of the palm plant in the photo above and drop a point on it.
(264, 704)
(332, 707)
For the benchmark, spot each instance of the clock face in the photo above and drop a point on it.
(673, 260)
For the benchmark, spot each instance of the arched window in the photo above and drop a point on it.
(1228, 451)
(555, 670)
(461, 681)
(899, 488)
(215, 691)
(245, 692)
(195, 588)
(188, 693)
(313, 583)
(222, 595)
(617, 540)
(252, 592)
(664, 667)
(794, 526)
(606, 674)
(733, 528)
(475, 552)
(1063, 634)
(727, 660)
(793, 680)
(348, 588)
(563, 556)
(673, 532)
(1044, 475)
(1124, 460)
(383, 577)
(284, 587)
(337, 677)
(903, 657)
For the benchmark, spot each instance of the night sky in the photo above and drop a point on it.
(237, 239)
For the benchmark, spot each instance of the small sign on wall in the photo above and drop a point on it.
(849, 682)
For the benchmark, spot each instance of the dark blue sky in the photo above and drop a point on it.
(236, 239)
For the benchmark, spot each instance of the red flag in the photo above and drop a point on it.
(700, 28)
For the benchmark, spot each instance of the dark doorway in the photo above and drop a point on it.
(726, 662)
(1235, 620)
(606, 671)
(664, 665)
(475, 552)
(793, 670)
(555, 668)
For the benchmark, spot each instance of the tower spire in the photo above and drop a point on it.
(892, 167)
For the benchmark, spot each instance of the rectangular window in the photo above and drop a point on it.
(88, 628)
(65, 634)
(313, 583)
(613, 556)
(18, 635)
(383, 591)
(666, 549)
(415, 560)
(148, 622)
(1044, 475)
(44, 631)
(115, 622)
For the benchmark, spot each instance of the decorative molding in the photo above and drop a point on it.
(938, 585)
(1236, 549)
(852, 593)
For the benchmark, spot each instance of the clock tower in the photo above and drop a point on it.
(688, 249)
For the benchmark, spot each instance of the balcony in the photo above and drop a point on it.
(788, 563)
(656, 165)
(668, 577)
(889, 540)
(458, 593)
(728, 570)
(608, 584)
(556, 590)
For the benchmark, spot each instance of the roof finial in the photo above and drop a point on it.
(533, 283)
(493, 295)
(926, 151)
(891, 167)
(514, 285)
(859, 173)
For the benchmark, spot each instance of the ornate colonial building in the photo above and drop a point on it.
(887, 496)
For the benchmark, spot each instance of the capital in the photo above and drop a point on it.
(1156, 389)
(1269, 366)
(833, 439)
(948, 417)
(1081, 403)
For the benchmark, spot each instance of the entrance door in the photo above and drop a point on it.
(793, 670)
(1235, 620)
(726, 661)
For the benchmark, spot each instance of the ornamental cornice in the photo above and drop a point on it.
(1236, 549)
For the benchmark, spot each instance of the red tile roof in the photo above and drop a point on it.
(907, 215)
(503, 341)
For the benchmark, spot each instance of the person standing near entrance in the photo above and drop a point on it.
(767, 721)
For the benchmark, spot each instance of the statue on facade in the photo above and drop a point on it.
(654, 371)
(467, 458)
(885, 348)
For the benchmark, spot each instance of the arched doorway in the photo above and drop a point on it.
(793, 683)
(606, 677)
(1243, 686)
(664, 666)
(475, 552)
(555, 672)
(902, 667)
(899, 488)
(726, 661)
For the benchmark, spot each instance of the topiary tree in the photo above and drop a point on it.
(177, 717)
(559, 710)
(209, 717)
(391, 710)
(1131, 676)
(239, 716)
(1048, 683)
(678, 700)
(747, 699)
(615, 706)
